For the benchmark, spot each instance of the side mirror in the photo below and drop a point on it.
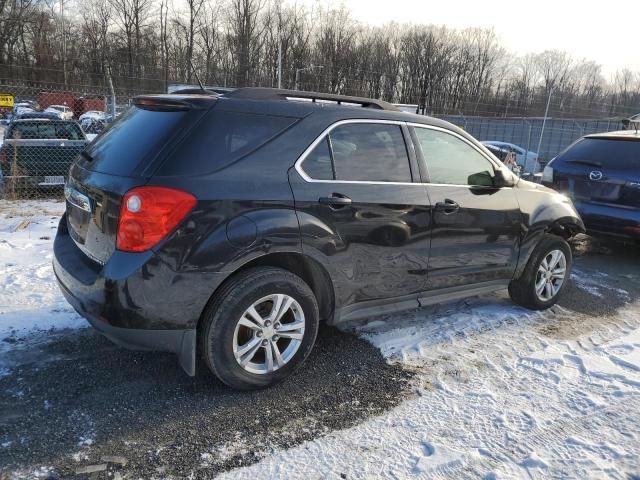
(499, 179)
(481, 179)
(503, 178)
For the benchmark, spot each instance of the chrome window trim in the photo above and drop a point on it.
(327, 131)
(457, 135)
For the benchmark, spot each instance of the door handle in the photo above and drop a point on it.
(335, 200)
(447, 207)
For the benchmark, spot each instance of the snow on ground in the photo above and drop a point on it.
(501, 393)
(31, 304)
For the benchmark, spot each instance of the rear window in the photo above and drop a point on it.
(45, 131)
(607, 153)
(136, 137)
(222, 139)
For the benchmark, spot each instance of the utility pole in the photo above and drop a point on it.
(544, 121)
(279, 45)
(64, 45)
(113, 94)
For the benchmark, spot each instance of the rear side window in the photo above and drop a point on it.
(222, 139)
(606, 153)
(365, 152)
(136, 136)
(318, 164)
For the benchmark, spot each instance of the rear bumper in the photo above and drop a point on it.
(608, 220)
(135, 300)
(181, 342)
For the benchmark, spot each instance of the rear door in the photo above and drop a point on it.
(476, 226)
(363, 211)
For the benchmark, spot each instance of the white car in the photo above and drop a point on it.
(92, 114)
(527, 159)
(20, 108)
(64, 112)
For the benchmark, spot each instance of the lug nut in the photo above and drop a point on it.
(264, 342)
(259, 333)
(276, 338)
(277, 325)
(267, 323)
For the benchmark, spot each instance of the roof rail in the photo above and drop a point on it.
(259, 93)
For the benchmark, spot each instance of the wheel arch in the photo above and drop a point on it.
(564, 227)
(305, 267)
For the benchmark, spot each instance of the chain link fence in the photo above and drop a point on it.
(43, 129)
(46, 128)
(547, 137)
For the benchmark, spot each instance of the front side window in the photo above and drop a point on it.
(452, 161)
(364, 152)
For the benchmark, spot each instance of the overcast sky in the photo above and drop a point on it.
(605, 31)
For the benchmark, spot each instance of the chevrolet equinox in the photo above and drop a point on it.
(227, 226)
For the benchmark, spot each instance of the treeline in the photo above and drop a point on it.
(146, 44)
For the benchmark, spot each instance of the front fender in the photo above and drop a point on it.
(543, 211)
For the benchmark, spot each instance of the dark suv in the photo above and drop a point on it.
(229, 225)
(601, 174)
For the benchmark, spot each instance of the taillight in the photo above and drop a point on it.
(149, 214)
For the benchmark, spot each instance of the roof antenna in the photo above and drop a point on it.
(195, 74)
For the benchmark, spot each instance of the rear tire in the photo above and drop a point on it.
(541, 282)
(259, 328)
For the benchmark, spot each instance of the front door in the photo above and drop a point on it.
(363, 210)
(476, 226)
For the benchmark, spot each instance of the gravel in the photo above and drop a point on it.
(95, 404)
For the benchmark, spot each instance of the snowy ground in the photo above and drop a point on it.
(497, 391)
(501, 393)
(30, 301)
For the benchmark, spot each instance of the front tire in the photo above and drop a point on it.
(545, 276)
(259, 328)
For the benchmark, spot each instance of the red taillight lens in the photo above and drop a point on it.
(149, 214)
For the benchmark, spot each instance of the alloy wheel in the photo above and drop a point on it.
(268, 334)
(551, 275)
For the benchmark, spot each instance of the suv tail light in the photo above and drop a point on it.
(149, 214)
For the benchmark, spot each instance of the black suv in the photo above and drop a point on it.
(229, 225)
(601, 174)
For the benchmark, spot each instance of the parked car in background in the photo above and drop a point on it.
(631, 123)
(230, 225)
(37, 153)
(34, 115)
(505, 156)
(92, 114)
(528, 160)
(64, 112)
(601, 174)
(20, 108)
(93, 126)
